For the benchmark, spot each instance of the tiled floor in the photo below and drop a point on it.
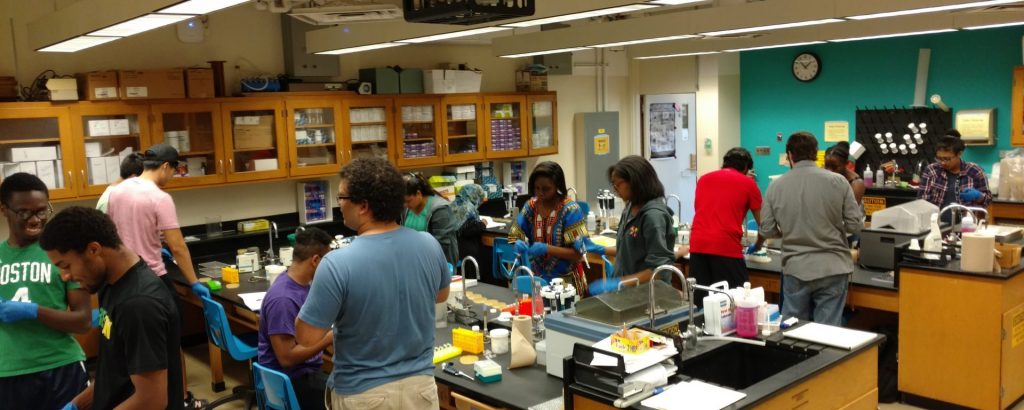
(235, 375)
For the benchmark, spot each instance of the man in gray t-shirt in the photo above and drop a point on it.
(813, 210)
(379, 294)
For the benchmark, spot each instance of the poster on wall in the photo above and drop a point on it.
(664, 125)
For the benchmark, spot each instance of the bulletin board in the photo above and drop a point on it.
(895, 121)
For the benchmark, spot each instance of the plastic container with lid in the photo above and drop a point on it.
(746, 313)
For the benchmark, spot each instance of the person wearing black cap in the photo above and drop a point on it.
(837, 159)
(143, 213)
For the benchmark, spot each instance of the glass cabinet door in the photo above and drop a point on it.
(38, 141)
(254, 146)
(194, 130)
(418, 131)
(109, 133)
(543, 125)
(505, 126)
(369, 126)
(313, 137)
(462, 136)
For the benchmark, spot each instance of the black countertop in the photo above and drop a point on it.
(954, 268)
(861, 276)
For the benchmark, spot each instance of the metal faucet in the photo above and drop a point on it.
(271, 233)
(690, 336)
(970, 209)
(462, 271)
(515, 287)
(679, 207)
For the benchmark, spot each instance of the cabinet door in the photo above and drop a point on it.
(313, 136)
(418, 131)
(463, 130)
(254, 143)
(368, 121)
(505, 125)
(105, 133)
(38, 141)
(195, 131)
(543, 122)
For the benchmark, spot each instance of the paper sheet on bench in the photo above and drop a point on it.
(490, 222)
(253, 301)
(842, 338)
(696, 394)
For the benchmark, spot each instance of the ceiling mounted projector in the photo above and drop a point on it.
(465, 12)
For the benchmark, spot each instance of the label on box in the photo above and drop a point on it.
(247, 120)
(136, 92)
(104, 92)
(99, 128)
(119, 127)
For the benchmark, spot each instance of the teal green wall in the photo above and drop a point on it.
(970, 69)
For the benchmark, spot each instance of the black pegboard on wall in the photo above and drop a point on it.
(896, 121)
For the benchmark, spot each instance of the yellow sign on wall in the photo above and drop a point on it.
(873, 204)
(821, 159)
(602, 144)
(836, 131)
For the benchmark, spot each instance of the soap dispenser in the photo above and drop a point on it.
(933, 241)
(869, 177)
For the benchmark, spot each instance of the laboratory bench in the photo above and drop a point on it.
(1006, 210)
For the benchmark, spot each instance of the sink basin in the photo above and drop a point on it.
(740, 365)
(629, 305)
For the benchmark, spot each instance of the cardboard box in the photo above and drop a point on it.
(93, 149)
(98, 85)
(467, 81)
(151, 84)
(62, 89)
(527, 81)
(98, 171)
(268, 164)
(46, 171)
(439, 81)
(254, 132)
(195, 166)
(120, 127)
(385, 80)
(22, 154)
(199, 82)
(113, 167)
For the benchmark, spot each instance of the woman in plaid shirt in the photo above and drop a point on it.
(953, 180)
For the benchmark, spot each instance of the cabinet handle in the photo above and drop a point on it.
(70, 181)
(220, 165)
(84, 180)
(231, 164)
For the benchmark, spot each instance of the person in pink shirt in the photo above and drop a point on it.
(144, 213)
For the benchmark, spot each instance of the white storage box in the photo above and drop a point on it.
(22, 154)
(93, 149)
(46, 171)
(268, 164)
(467, 81)
(439, 82)
(99, 128)
(113, 167)
(98, 171)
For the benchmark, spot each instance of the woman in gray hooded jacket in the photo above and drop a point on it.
(428, 211)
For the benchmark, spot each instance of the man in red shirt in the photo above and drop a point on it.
(721, 202)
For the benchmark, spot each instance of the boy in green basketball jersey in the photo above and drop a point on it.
(40, 363)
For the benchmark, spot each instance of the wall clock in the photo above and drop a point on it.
(806, 66)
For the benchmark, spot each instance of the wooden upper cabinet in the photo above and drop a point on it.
(543, 124)
(369, 125)
(104, 134)
(314, 136)
(418, 131)
(37, 139)
(462, 128)
(254, 139)
(195, 131)
(505, 126)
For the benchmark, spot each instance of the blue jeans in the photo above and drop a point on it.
(820, 300)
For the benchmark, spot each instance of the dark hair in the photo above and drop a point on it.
(950, 143)
(416, 183)
(552, 171)
(841, 150)
(21, 182)
(953, 132)
(132, 165)
(376, 182)
(643, 180)
(76, 227)
(739, 159)
(802, 146)
(311, 241)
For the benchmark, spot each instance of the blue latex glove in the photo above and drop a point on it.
(96, 318)
(589, 245)
(200, 289)
(70, 406)
(603, 286)
(751, 249)
(970, 195)
(13, 311)
(521, 247)
(538, 249)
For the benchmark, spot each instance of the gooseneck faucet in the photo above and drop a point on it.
(271, 233)
(970, 209)
(462, 271)
(533, 283)
(679, 207)
(690, 336)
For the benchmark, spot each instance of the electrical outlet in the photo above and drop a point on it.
(778, 137)
(763, 150)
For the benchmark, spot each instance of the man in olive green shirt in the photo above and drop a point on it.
(40, 363)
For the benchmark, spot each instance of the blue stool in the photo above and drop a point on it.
(273, 389)
(504, 256)
(219, 331)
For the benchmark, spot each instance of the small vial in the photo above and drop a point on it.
(903, 149)
(888, 137)
(918, 139)
(923, 127)
(913, 148)
(912, 126)
(906, 137)
(892, 147)
(878, 136)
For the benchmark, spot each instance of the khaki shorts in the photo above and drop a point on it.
(410, 393)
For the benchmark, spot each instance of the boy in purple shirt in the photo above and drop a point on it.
(277, 347)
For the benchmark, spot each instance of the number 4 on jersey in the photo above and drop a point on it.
(21, 295)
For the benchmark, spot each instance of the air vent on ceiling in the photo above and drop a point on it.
(324, 16)
(465, 12)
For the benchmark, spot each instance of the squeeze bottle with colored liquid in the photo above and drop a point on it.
(746, 314)
(869, 177)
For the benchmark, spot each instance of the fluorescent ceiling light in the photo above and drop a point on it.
(456, 34)
(200, 6)
(361, 48)
(775, 46)
(537, 53)
(676, 2)
(913, 33)
(646, 40)
(1018, 23)
(934, 9)
(676, 55)
(582, 15)
(770, 27)
(140, 24)
(77, 44)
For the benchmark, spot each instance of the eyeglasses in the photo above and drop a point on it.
(944, 159)
(346, 197)
(25, 214)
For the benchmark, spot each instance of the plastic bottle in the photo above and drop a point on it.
(933, 241)
(869, 177)
(746, 314)
(967, 224)
(591, 222)
(880, 175)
